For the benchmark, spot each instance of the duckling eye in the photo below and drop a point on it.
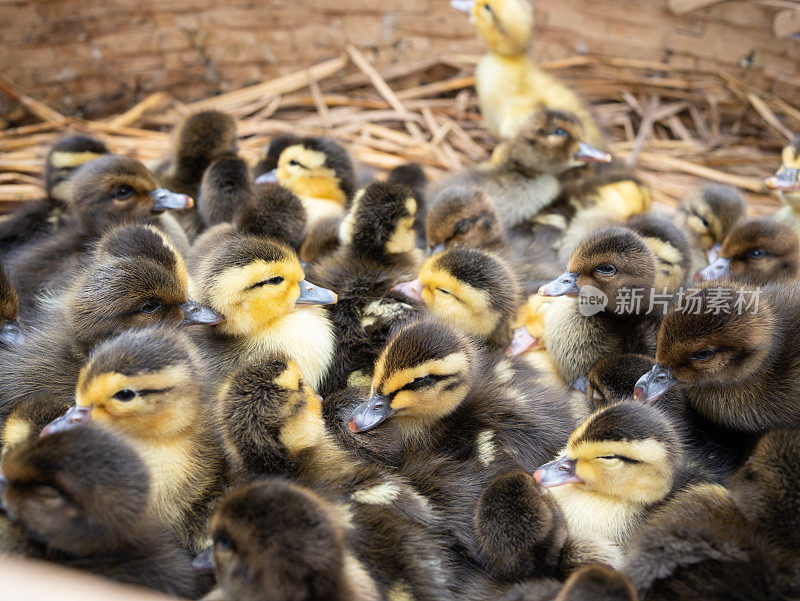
(463, 226)
(606, 269)
(293, 163)
(125, 395)
(123, 192)
(703, 355)
(756, 253)
(224, 543)
(561, 133)
(487, 8)
(421, 382)
(443, 291)
(273, 281)
(150, 306)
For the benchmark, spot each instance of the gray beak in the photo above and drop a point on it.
(165, 200)
(204, 562)
(785, 180)
(195, 314)
(556, 473)
(270, 177)
(589, 154)
(370, 414)
(715, 271)
(311, 294)
(437, 249)
(654, 384)
(566, 283)
(75, 416)
(11, 333)
(465, 6)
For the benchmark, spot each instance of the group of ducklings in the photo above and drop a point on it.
(255, 383)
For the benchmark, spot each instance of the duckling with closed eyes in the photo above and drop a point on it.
(10, 330)
(732, 351)
(786, 184)
(758, 252)
(79, 498)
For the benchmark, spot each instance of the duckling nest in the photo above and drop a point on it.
(675, 125)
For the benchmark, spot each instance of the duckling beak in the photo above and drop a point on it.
(556, 473)
(311, 294)
(166, 200)
(370, 414)
(3, 486)
(581, 384)
(11, 333)
(715, 271)
(195, 314)
(465, 6)
(437, 249)
(75, 416)
(270, 177)
(204, 562)
(566, 283)
(412, 289)
(652, 385)
(589, 154)
(521, 342)
(785, 180)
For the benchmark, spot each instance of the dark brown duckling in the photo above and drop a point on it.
(275, 213)
(10, 330)
(225, 188)
(758, 252)
(732, 349)
(79, 498)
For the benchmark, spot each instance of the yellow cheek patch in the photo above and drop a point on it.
(305, 429)
(647, 451)
(15, 431)
(313, 179)
(403, 239)
(100, 390)
(64, 160)
(290, 378)
(465, 307)
(451, 364)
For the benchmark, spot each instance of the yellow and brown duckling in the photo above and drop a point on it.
(37, 220)
(758, 252)
(510, 87)
(786, 184)
(147, 387)
(271, 153)
(670, 247)
(225, 188)
(79, 498)
(732, 351)
(619, 464)
(10, 330)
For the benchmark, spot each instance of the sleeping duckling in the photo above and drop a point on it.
(510, 87)
(10, 331)
(275, 213)
(733, 351)
(707, 216)
(319, 171)
(37, 220)
(758, 252)
(226, 186)
(79, 498)
(269, 306)
(786, 184)
(618, 466)
(614, 313)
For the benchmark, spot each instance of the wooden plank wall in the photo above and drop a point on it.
(94, 57)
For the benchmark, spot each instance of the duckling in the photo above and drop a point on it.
(732, 351)
(614, 314)
(146, 386)
(757, 251)
(274, 212)
(10, 331)
(510, 87)
(272, 422)
(319, 171)
(133, 279)
(106, 192)
(378, 251)
(670, 249)
(37, 220)
(786, 184)
(707, 215)
(269, 160)
(596, 582)
(620, 464)
(78, 498)
(226, 186)
(198, 139)
(269, 306)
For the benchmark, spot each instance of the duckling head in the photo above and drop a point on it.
(473, 291)
(700, 344)
(268, 162)
(65, 156)
(316, 168)
(274, 212)
(613, 261)
(710, 213)
(137, 278)
(277, 541)
(113, 190)
(756, 251)
(82, 491)
(505, 25)
(423, 374)
(613, 378)
(786, 180)
(255, 282)
(463, 216)
(199, 139)
(10, 331)
(625, 451)
(381, 221)
(289, 415)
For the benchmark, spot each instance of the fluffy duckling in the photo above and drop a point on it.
(616, 266)
(269, 160)
(79, 498)
(619, 464)
(732, 351)
(319, 171)
(786, 184)
(37, 220)
(269, 306)
(510, 87)
(757, 251)
(273, 212)
(106, 192)
(135, 278)
(670, 248)
(146, 386)
(10, 331)
(707, 216)
(226, 186)
(595, 582)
